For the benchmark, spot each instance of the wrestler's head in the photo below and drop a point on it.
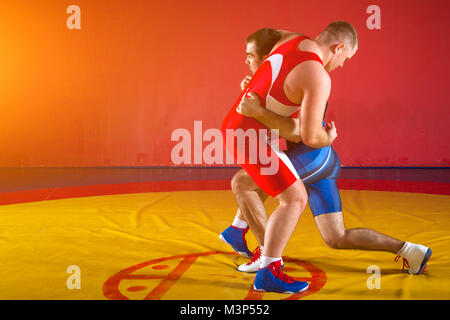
(259, 45)
(341, 42)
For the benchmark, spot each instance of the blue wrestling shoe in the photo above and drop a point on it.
(271, 279)
(235, 237)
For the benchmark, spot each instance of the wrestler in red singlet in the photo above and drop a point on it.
(267, 83)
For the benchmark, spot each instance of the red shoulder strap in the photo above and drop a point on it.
(292, 57)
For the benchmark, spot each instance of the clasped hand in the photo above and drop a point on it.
(250, 105)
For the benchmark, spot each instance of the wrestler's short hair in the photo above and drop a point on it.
(264, 40)
(341, 31)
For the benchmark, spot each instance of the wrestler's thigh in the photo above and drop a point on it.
(330, 225)
(243, 181)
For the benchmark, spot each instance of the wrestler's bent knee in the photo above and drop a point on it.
(241, 181)
(295, 194)
(335, 241)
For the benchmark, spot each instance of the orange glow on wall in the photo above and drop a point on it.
(111, 93)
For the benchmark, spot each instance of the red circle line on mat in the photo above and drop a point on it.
(203, 185)
(112, 291)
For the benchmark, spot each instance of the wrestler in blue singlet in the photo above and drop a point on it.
(318, 169)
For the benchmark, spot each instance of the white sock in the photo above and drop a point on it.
(238, 223)
(265, 261)
(406, 250)
(262, 252)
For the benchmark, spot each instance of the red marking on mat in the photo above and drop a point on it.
(161, 267)
(136, 288)
(158, 292)
(110, 189)
(316, 281)
(111, 286)
(287, 269)
(168, 186)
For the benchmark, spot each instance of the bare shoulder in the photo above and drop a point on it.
(285, 37)
(309, 75)
(309, 45)
(286, 33)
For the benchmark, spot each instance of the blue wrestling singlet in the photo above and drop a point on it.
(318, 169)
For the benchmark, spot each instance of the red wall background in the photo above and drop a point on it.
(111, 93)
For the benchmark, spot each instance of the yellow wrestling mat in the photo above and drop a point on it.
(165, 245)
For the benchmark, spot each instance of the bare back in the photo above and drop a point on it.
(298, 77)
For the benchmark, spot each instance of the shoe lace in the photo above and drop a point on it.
(276, 270)
(405, 262)
(256, 254)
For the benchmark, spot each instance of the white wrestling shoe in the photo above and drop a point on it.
(255, 263)
(415, 257)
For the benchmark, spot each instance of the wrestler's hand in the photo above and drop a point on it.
(331, 131)
(250, 106)
(245, 82)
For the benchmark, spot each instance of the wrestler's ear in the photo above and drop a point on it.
(338, 48)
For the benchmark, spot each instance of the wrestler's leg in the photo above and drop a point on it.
(239, 215)
(249, 198)
(325, 203)
(239, 219)
(332, 229)
(283, 220)
(279, 229)
(330, 222)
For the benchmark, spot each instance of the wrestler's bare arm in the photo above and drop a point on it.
(314, 85)
(310, 85)
(289, 128)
